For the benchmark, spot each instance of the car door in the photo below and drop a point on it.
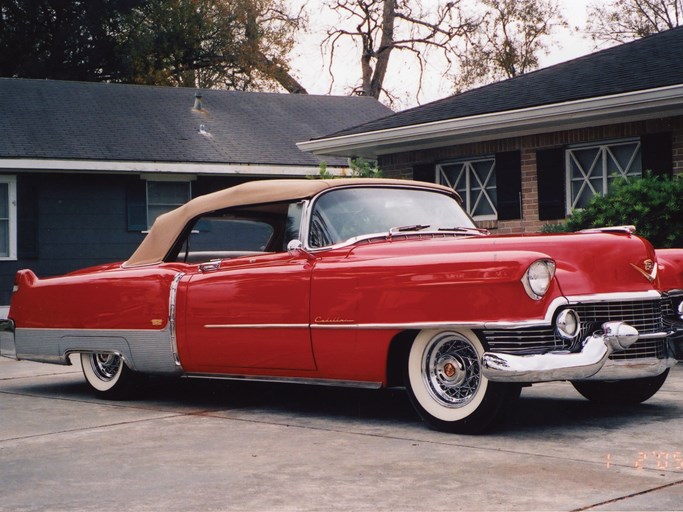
(249, 313)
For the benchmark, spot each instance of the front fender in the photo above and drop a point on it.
(670, 271)
(471, 288)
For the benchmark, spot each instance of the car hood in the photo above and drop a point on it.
(587, 263)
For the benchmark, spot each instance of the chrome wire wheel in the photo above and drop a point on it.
(450, 366)
(106, 366)
(446, 386)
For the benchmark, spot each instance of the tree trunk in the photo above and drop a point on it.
(279, 73)
(385, 47)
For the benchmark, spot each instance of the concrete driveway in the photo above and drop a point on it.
(213, 445)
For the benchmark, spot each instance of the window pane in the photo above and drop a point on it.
(475, 181)
(483, 188)
(623, 161)
(168, 192)
(455, 177)
(4, 201)
(587, 160)
(4, 239)
(590, 167)
(227, 234)
(164, 196)
(347, 213)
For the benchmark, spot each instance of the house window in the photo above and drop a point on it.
(591, 170)
(475, 181)
(8, 218)
(164, 196)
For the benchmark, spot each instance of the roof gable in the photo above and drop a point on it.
(647, 63)
(115, 122)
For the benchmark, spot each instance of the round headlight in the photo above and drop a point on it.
(680, 310)
(567, 323)
(538, 277)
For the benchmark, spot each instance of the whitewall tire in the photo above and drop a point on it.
(446, 386)
(108, 375)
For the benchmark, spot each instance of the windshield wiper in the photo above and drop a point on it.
(412, 227)
(459, 229)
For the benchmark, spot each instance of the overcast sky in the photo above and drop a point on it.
(311, 68)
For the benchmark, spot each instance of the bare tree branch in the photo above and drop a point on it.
(508, 40)
(379, 27)
(619, 21)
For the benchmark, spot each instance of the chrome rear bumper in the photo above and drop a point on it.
(7, 345)
(592, 362)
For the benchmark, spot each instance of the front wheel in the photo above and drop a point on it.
(446, 385)
(108, 375)
(620, 392)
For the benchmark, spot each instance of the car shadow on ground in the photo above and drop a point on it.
(537, 413)
(525, 415)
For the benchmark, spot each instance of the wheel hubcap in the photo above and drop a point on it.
(105, 366)
(451, 370)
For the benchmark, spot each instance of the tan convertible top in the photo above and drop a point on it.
(168, 226)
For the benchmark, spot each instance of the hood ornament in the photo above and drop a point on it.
(650, 270)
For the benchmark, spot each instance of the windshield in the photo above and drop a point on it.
(347, 213)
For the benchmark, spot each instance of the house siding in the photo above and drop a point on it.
(401, 165)
(69, 223)
(72, 221)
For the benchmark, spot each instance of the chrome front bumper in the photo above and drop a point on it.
(591, 362)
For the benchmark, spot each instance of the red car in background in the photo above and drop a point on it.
(364, 282)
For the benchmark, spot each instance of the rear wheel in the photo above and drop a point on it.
(446, 385)
(108, 375)
(620, 392)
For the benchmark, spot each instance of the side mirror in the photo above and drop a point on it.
(295, 248)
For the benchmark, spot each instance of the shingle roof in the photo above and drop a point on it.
(648, 63)
(98, 121)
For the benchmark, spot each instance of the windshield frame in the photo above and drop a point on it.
(309, 207)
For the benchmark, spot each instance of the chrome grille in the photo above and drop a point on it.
(645, 315)
(533, 340)
(643, 348)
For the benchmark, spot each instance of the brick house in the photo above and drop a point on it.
(527, 151)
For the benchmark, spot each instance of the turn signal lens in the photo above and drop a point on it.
(538, 277)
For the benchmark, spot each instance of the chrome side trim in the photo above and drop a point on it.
(473, 324)
(256, 326)
(401, 326)
(378, 326)
(287, 380)
(172, 317)
(616, 297)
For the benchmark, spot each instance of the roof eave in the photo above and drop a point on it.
(155, 168)
(618, 108)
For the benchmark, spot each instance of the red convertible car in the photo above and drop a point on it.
(364, 282)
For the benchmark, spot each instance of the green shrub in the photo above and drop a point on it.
(653, 204)
(360, 168)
